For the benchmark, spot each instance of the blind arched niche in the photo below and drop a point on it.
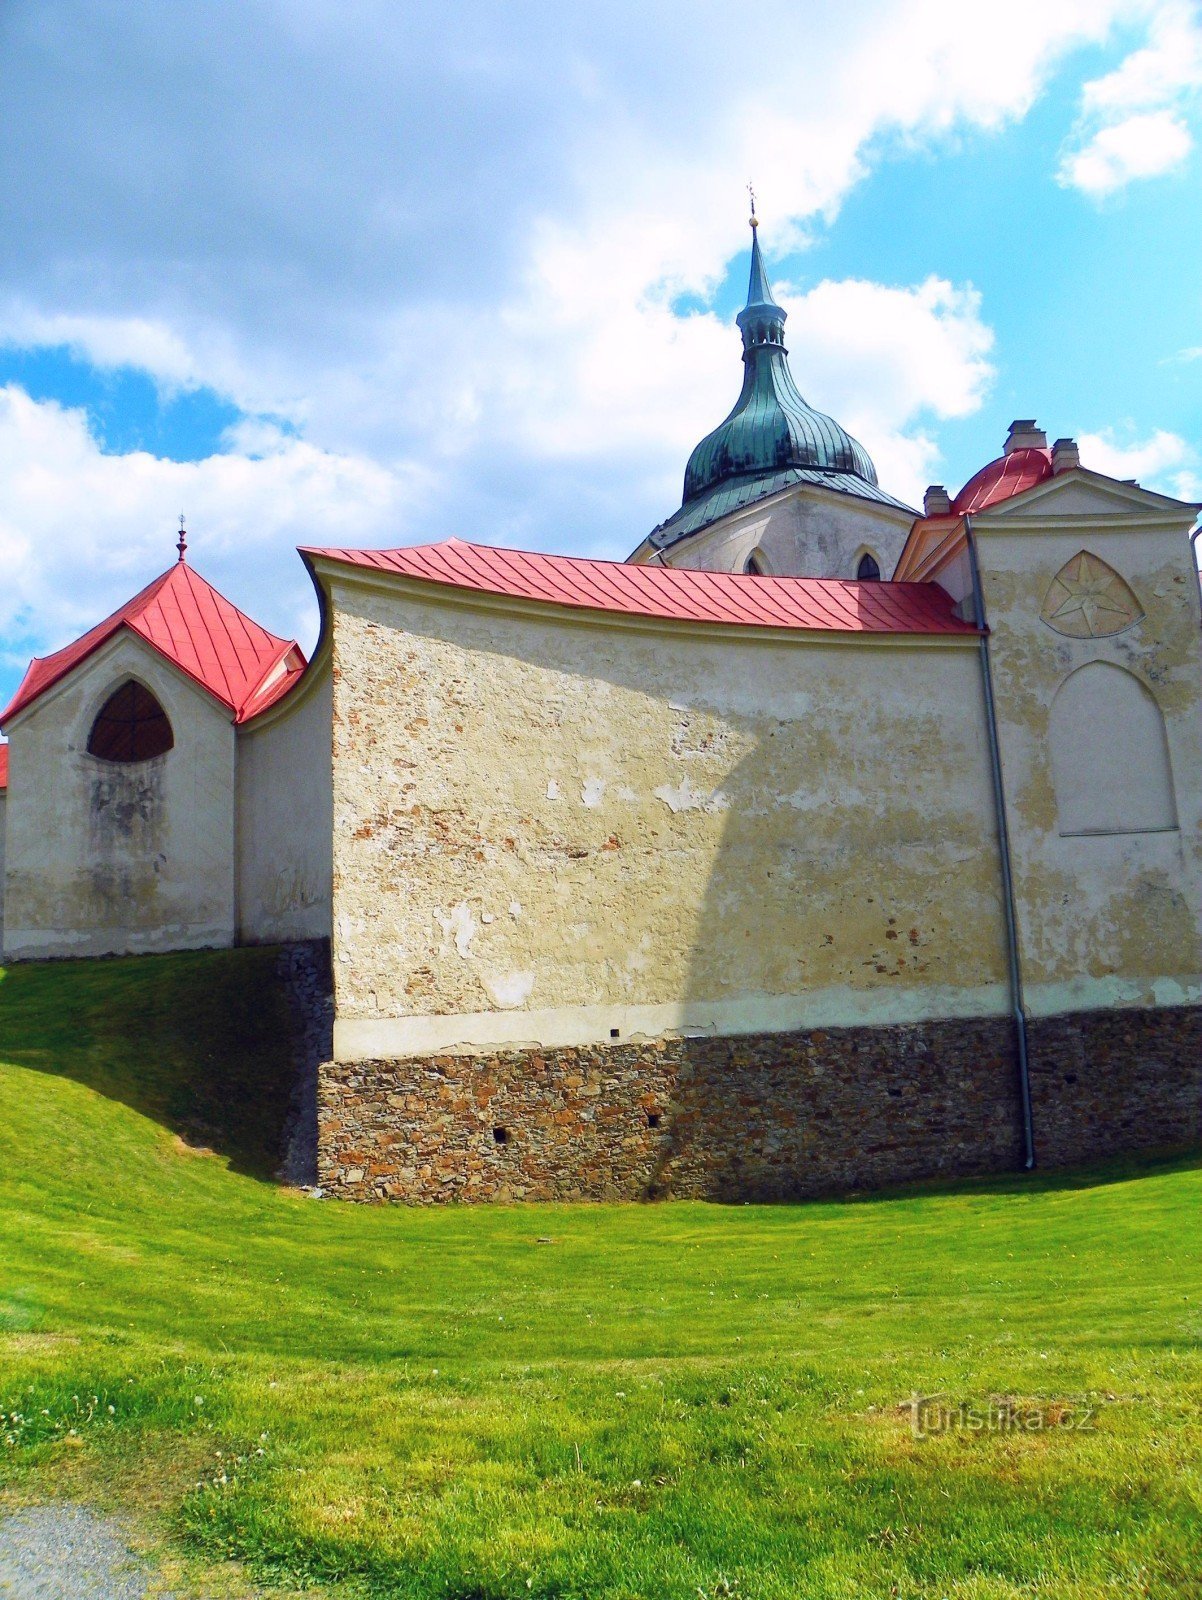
(1110, 756)
(131, 725)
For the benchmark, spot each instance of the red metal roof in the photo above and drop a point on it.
(1008, 475)
(199, 631)
(832, 605)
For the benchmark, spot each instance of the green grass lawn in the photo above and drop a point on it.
(607, 1401)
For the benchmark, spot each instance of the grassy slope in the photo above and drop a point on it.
(607, 1402)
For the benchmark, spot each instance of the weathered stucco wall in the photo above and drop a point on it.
(1105, 917)
(285, 817)
(806, 532)
(552, 831)
(107, 857)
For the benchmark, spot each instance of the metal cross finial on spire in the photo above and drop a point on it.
(181, 544)
(753, 219)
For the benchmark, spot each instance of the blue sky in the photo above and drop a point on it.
(369, 274)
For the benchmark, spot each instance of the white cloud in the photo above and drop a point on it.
(1143, 146)
(887, 360)
(80, 531)
(1161, 461)
(331, 268)
(1133, 120)
(454, 274)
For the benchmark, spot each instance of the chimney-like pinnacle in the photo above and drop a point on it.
(1024, 435)
(1065, 455)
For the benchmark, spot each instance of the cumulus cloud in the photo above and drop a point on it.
(1142, 146)
(80, 531)
(446, 248)
(1133, 121)
(884, 360)
(1163, 461)
(307, 230)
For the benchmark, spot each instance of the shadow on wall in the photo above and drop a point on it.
(804, 860)
(202, 1043)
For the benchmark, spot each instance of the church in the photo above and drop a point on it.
(822, 844)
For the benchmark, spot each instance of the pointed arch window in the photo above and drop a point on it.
(754, 567)
(869, 568)
(131, 725)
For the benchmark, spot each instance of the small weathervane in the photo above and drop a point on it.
(181, 544)
(753, 219)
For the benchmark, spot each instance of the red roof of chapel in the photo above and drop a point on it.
(833, 605)
(199, 631)
(1009, 475)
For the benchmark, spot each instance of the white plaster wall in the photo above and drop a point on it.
(1105, 918)
(807, 532)
(110, 858)
(285, 817)
(550, 829)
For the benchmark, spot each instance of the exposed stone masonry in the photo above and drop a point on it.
(1107, 1082)
(767, 1116)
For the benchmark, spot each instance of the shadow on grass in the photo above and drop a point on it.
(1044, 1180)
(202, 1042)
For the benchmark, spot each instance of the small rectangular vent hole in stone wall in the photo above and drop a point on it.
(501, 1135)
(614, 1033)
(653, 1119)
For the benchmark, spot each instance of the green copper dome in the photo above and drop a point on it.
(772, 438)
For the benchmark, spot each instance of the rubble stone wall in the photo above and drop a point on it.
(757, 1117)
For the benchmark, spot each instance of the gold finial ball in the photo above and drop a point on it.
(754, 220)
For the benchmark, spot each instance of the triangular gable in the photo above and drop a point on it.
(193, 626)
(933, 542)
(1079, 492)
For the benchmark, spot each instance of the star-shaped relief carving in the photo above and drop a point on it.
(1089, 600)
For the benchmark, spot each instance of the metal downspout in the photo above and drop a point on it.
(1193, 544)
(1003, 831)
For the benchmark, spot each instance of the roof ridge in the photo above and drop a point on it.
(190, 623)
(682, 594)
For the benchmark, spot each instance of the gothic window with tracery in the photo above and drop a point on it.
(131, 725)
(869, 570)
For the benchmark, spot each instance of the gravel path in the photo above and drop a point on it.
(68, 1553)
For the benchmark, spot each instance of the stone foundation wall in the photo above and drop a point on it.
(765, 1116)
(762, 1117)
(1108, 1082)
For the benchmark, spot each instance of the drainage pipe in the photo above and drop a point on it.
(999, 801)
(1193, 544)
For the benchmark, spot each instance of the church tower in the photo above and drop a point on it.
(779, 488)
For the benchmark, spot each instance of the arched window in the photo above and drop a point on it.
(869, 569)
(754, 567)
(130, 726)
(1110, 757)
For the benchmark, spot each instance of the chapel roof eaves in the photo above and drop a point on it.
(190, 624)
